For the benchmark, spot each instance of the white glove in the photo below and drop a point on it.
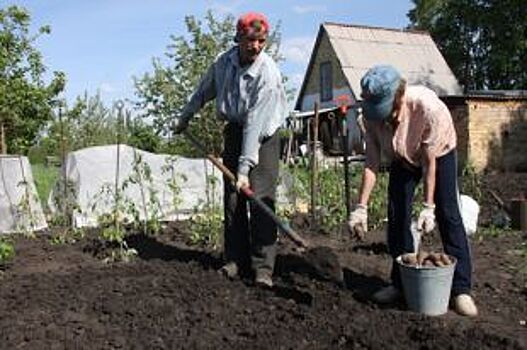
(179, 124)
(242, 181)
(427, 218)
(358, 221)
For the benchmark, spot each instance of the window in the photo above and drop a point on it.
(326, 82)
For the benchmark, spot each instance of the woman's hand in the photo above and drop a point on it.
(426, 221)
(358, 221)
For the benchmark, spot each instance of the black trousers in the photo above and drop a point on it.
(402, 183)
(249, 234)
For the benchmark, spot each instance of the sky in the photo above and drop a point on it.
(102, 44)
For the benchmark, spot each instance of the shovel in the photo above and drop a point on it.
(324, 260)
(295, 237)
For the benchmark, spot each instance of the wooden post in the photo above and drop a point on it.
(314, 169)
(346, 166)
(3, 144)
(120, 106)
(64, 168)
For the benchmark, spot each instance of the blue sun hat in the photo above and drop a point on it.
(379, 85)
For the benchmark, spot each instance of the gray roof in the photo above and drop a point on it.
(413, 53)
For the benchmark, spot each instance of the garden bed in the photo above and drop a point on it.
(170, 296)
(56, 295)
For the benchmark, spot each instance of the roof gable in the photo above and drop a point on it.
(413, 53)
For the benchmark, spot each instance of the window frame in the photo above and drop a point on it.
(326, 81)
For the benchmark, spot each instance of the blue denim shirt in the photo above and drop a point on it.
(252, 96)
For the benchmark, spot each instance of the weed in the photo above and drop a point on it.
(173, 181)
(206, 226)
(331, 195)
(491, 231)
(207, 222)
(67, 235)
(7, 250)
(24, 218)
(112, 224)
(113, 232)
(141, 176)
(471, 182)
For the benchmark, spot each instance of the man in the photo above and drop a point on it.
(414, 128)
(247, 86)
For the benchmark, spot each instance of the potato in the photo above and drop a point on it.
(436, 259)
(428, 262)
(409, 259)
(445, 259)
(439, 263)
(421, 257)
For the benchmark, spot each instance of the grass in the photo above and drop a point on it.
(45, 178)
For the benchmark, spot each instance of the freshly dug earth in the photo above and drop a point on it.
(170, 296)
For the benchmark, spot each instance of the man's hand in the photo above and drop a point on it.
(358, 221)
(179, 124)
(242, 181)
(427, 218)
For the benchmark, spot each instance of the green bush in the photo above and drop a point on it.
(471, 182)
(37, 155)
(331, 194)
(7, 250)
(206, 226)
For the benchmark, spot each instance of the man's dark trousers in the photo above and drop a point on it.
(250, 236)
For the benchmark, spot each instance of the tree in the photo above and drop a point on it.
(89, 122)
(165, 91)
(482, 40)
(26, 102)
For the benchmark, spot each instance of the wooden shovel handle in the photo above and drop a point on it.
(295, 237)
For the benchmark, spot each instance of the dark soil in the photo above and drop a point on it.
(170, 296)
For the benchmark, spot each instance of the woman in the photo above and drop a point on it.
(413, 128)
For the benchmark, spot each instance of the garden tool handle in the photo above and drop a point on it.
(295, 237)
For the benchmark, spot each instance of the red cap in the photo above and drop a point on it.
(252, 24)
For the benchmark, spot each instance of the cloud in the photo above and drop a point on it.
(303, 9)
(297, 49)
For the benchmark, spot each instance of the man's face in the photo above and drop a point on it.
(250, 47)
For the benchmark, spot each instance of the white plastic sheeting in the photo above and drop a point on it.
(20, 209)
(90, 182)
(469, 213)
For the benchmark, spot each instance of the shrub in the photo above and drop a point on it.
(7, 250)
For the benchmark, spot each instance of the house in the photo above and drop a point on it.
(343, 53)
(492, 129)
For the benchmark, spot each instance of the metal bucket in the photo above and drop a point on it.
(427, 289)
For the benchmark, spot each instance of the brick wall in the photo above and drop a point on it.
(498, 134)
(492, 134)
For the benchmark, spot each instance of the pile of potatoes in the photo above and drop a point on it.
(427, 259)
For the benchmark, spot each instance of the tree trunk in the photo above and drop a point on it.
(3, 145)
